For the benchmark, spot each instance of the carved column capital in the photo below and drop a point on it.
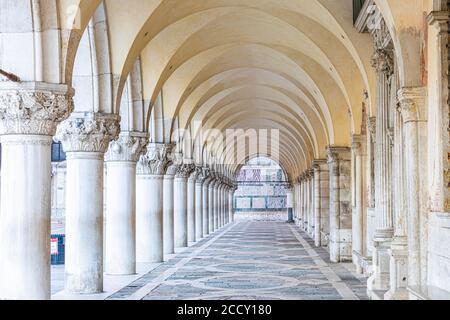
(382, 61)
(197, 175)
(127, 148)
(184, 171)
(156, 160)
(372, 128)
(88, 132)
(33, 108)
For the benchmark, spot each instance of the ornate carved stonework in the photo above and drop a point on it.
(127, 148)
(184, 171)
(88, 132)
(372, 128)
(34, 108)
(206, 174)
(197, 174)
(382, 61)
(156, 161)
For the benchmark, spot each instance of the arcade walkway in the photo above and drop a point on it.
(249, 260)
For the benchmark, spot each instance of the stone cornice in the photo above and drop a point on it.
(318, 163)
(33, 107)
(335, 153)
(359, 144)
(88, 132)
(439, 19)
(412, 103)
(127, 148)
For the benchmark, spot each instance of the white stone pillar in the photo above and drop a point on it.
(149, 203)
(383, 63)
(311, 225)
(121, 162)
(205, 201)
(224, 205)
(307, 202)
(324, 203)
(180, 205)
(317, 165)
(219, 206)
(359, 200)
(199, 205)
(229, 199)
(85, 138)
(340, 204)
(191, 226)
(290, 203)
(168, 210)
(415, 133)
(29, 115)
(211, 204)
(302, 202)
(216, 205)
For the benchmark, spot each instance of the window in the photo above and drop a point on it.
(357, 7)
(58, 154)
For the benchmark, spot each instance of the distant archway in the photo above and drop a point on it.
(261, 193)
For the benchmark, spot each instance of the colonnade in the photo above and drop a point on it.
(154, 203)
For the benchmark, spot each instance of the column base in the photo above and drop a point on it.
(341, 245)
(398, 270)
(380, 279)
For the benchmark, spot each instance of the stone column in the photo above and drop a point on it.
(359, 200)
(29, 115)
(290, 204)
(199, 204)
(308, 201)
(383, 63)
(149, 203)
(311, 225)
(85, 138)
(302, 202)
(168, 210)
(340, 206)
(121, 162)
(231, 203)
(211, 204)
(219, 205)
(297, 202)
(225, 204)
(438, 115)
(180, 205)
(324, 182)
(415, 132)
(191, 231)
(216, 205)
(305, 202)
(206, 200)
(399, 247)
(317, 165)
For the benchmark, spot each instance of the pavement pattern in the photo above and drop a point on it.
(249, 260)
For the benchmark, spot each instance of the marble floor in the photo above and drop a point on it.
(249, 260)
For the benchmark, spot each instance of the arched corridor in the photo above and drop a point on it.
(124, 128)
